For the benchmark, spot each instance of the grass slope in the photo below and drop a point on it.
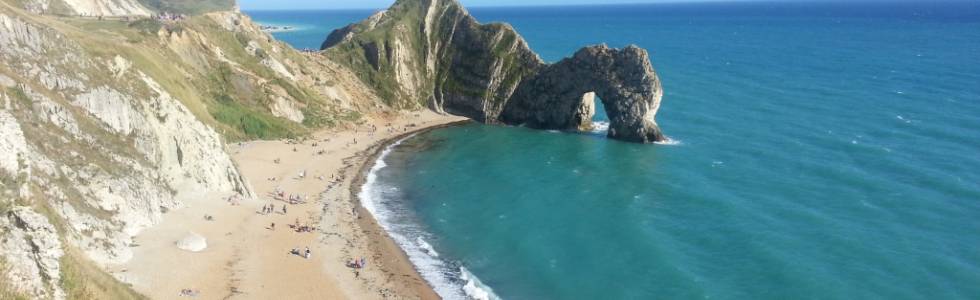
(189, 7)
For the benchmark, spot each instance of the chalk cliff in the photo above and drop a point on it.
(106, 125)
(433, 53)
(119, 8)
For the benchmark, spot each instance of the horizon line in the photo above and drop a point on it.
(671, 2)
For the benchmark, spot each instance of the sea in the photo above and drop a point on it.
(819, 150)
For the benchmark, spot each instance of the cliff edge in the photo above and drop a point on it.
(107, 124)
(434, 53)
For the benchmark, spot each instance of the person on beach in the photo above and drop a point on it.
(273, 226)
(307, 253)
(284, 209)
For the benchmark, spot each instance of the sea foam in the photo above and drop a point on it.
(426, 247)
(447, 281)
(474, 288)
(600, 126)
(669, 142)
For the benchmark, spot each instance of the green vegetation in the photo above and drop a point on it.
(7, 292)
(189, 7)
(82, 280)
(251, 124)
(467, 60)
(367, 55)
(146, 26)
(19, 95)
(237, 104)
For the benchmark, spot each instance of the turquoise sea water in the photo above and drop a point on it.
(823, 151)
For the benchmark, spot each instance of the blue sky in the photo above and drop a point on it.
(347, 4)
(375, 4)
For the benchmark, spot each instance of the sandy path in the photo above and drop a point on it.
(246, 259)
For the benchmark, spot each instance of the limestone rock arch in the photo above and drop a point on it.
(557, 97)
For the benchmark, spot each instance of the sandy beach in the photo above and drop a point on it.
(247, 257)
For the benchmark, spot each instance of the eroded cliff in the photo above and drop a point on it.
(433, 53)
(106, 125)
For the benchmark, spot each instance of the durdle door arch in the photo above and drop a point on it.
(562, 95)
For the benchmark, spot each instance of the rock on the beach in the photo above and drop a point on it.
(193, 242)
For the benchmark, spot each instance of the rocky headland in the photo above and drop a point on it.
(434, 53)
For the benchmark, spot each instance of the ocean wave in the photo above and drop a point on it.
(447, 280)
(474, 288)
(669, 142)
(426, 247)
(600, 126)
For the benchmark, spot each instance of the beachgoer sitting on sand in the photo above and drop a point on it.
(273, 226)
(307, 253)
(284, 209)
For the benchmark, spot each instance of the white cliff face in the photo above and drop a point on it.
(111, 107)
(188, 153)
(283, 108)
(89, 7)
(13, 147)
(404, 70)
(100, 144)
(32, 247)
(18, 38)
(98, 140)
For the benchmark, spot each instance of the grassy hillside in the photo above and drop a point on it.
(189, 7)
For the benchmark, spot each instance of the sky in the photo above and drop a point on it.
(380, 4)
(350, 4)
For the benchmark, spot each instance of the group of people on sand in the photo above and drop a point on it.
(302, 227)
(168, 16)
(189, 293)
(280, 195)
(305, 254)
(357, 263)
(271, 208)
(295, 199)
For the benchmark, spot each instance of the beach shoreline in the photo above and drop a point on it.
(380, 239)
(248, 247)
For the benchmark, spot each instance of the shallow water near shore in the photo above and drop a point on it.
(821, 151)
